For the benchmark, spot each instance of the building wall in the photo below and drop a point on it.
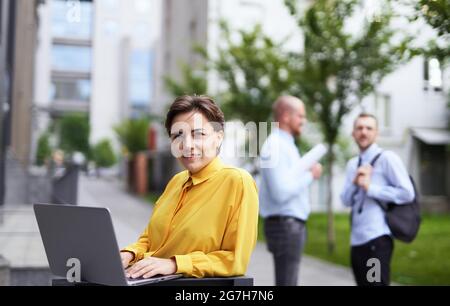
(24, 45)
(118, 28)
(184, 25)
(4, 88)
(42, 75)
(18, 35)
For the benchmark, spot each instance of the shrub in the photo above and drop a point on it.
(44, 151)
(132, 134)
(74, 132)
(103, 154)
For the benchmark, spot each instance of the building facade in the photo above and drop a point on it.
(96, 57)
(18, 24)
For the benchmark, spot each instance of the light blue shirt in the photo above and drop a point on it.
(283, 189)
(389, 183)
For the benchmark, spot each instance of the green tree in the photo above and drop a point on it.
(44, 151)
(338, 69)
(132, 134)
(193, 82)
(254, 70)
(103, 154)
(436, 13)
(74, 130)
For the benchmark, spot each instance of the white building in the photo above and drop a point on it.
(96, 57)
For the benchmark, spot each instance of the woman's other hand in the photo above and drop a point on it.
(126, 257)
(152, 266)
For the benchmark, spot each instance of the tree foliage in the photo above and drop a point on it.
(338, 68)
(254, 70)
(74, 130)
(435, 13)
(132, 134)
(103, 154)
(194, 82)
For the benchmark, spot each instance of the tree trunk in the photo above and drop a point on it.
(331, 239)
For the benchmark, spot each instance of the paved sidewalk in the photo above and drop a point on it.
(20, 242)
(131, 214)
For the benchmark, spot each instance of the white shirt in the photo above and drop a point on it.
(283, 187)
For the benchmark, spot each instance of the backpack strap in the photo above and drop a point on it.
(374, 160)
(372, 163)
(357, 189)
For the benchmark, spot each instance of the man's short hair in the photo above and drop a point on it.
(366, 115)
(284, 104)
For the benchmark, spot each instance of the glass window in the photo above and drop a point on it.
(72, 19)
(142, 6)
(71, 58)
(432, 74)
(383, 111)
(435, 73)
(140, 77)
(68, 89)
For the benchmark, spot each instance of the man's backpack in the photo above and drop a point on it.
(404, 219)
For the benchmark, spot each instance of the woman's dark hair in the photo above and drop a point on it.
(203, 104)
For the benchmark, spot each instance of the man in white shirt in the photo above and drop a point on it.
(389, 182)
(283, 191)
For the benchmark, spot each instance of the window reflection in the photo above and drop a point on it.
(64, 23)
(140, 77)
(435, 73)
(71, 58)
(70, 90)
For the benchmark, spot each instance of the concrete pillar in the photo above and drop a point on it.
(4, 272)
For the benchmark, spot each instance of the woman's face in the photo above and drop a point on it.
(194, 141)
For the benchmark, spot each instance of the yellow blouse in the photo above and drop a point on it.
(206, 221)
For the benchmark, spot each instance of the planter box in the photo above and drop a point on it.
(137, 174)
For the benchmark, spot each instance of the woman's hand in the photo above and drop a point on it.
(152, 266)
(126, 257)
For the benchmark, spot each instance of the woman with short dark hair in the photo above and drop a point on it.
(205, 222)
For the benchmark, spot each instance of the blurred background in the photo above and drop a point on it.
(85, 85)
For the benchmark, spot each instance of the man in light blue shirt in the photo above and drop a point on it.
(387, 181)
(283, 190)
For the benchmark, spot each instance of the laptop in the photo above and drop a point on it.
(86, 234)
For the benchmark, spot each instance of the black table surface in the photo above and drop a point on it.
(207, 281)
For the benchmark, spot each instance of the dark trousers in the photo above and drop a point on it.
(365, 268)
(285, 240)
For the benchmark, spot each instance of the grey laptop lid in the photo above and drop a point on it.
(86, 234)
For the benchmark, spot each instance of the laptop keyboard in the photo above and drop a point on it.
(142, 278)
(130, 279)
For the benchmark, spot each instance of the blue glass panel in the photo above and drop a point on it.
(71, 58)
(140, 82)
(72, 19)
